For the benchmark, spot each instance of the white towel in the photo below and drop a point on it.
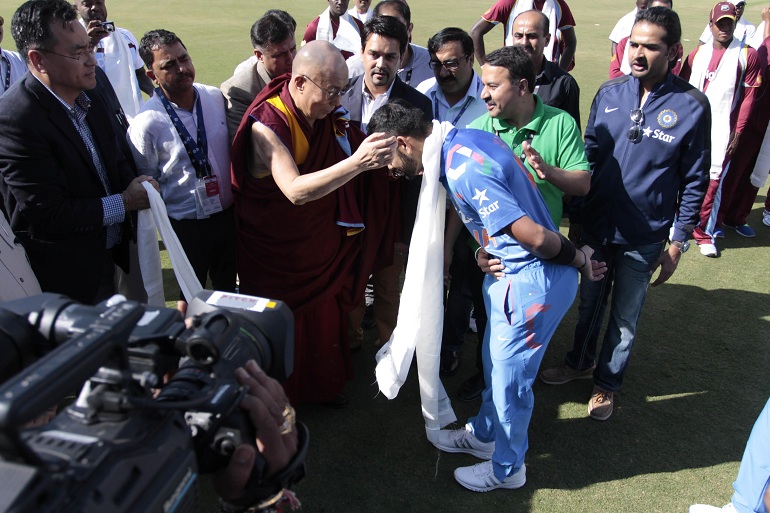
(721, 94)
(149, 255)
(421, 313)
(348, 37)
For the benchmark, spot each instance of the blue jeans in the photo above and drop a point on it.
(754, 472)
(524, 310)
(629, 269)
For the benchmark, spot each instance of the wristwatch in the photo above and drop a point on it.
(681, 246)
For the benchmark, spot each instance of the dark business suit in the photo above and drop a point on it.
(52, 192)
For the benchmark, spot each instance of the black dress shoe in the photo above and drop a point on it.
(450, 362)
(339, 402)
(471, 387)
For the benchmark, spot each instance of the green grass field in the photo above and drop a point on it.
(696, 383)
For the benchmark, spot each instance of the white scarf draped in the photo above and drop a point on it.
(421, 313)
(721, 94)
(348, 37)
(149, 255)
(550, 10)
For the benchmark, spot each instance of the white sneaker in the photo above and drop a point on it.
(766, 218)
(462, 440)
(709, 250)
(481, 478)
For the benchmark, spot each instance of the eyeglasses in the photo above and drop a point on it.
(635, 132)
(79, 57)
(332, 92)
(450, 65)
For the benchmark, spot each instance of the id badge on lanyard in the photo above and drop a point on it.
(207, 195)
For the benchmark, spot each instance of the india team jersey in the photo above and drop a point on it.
(490, 189)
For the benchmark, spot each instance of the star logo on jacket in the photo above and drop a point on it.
(647, 131)
(667, 118)
(481, 196)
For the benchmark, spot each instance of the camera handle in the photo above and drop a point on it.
(68, 366)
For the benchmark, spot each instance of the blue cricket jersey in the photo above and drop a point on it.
(490, 189)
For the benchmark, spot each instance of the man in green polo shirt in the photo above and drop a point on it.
(546, 139)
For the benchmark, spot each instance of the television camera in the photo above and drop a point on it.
(129, 442)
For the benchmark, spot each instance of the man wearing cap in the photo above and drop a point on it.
(728, 72)
(744, 30)
(12, 66)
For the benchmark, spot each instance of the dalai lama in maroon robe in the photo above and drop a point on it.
(313, 208)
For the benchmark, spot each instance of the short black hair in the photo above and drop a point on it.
(274, 27)
(398, 117)
(666, 19)
(517, 61)
(31, 24)
(153, 40)
(386, 26)
(450, 34)
(399, 5)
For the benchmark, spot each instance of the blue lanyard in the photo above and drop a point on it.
(462, 111)
(198, 153)
(7, 73)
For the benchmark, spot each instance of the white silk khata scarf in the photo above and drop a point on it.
(421, 313)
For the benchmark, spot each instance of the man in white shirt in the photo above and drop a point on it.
(744, 30)
(361, 10)
(12, 66)
(117, 54)
(180, 138)
(624, 25)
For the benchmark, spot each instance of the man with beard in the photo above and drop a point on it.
(274, 49)
(729, 73)
(305, 188)
(384, 40)
(640, 176)
(180, 138)
(620, 66)
(498, 202)
(117, 54)
(338, 27)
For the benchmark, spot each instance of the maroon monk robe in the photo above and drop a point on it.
(298, 253)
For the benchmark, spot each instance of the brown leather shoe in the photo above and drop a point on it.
(600, 405)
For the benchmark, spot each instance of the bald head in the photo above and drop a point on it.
(318, 57)
(319, 76)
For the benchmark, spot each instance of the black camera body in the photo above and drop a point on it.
(119, 447)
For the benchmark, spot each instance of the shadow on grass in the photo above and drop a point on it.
(690, 398)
